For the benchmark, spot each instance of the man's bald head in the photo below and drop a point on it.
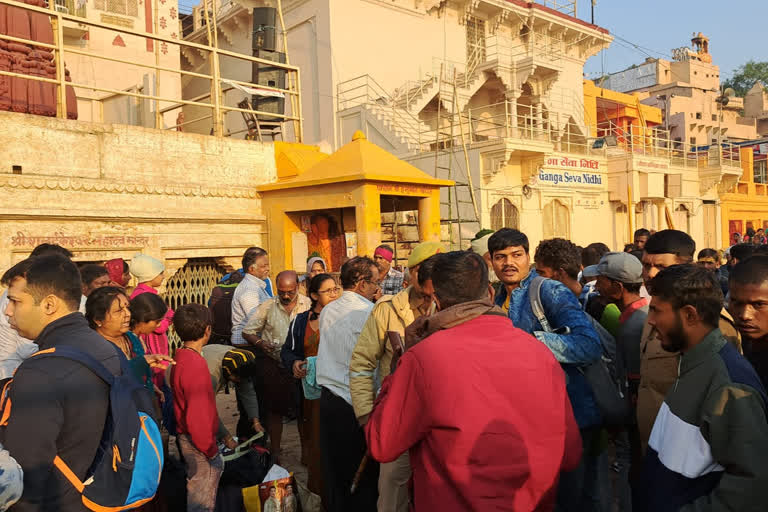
(287, 286)
(288, 277)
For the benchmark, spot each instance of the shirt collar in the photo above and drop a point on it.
(632, 308)
(351, 296)
(711, 344)
(253, 279)
(502, 296)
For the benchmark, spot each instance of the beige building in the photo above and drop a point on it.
(687, 91)
(756, 107)
(96, 57)
(491, 95)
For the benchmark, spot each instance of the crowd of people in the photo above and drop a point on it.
(562, 378)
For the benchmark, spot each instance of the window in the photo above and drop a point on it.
(761, 172)
(557, 220)
(698, 115)
(692, 140)
(714, 117)
(504, 215)
(124, 7)
(475, 41)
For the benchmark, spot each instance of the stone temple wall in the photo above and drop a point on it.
(107, 191)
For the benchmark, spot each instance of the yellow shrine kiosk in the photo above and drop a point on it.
(333, 205)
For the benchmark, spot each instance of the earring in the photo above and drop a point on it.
(98, 324)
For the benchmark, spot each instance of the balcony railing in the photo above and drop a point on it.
(72, 7)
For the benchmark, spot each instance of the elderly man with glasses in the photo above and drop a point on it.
(267, 330)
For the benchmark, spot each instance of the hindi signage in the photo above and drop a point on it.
(569, 172)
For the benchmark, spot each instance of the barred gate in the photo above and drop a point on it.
(192, 283)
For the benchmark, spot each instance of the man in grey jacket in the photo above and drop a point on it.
(620, 276)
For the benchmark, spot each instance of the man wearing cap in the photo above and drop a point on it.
(392, 282)
(620, 276)
(373, 350)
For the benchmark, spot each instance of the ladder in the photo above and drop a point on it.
(445, 146)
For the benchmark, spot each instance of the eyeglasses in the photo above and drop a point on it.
(331, 291)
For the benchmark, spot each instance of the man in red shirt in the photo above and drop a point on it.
(195, 407)
(480, 405)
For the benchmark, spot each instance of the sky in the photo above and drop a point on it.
(736, 31)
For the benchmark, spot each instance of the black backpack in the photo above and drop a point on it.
(220, 305)
(607, 377)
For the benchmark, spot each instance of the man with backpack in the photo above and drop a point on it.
(572, 339)
(620, 276)
(59, 406)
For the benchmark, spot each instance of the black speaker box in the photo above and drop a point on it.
(270, 76)
(264, 31)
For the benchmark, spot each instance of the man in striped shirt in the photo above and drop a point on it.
(250, 293)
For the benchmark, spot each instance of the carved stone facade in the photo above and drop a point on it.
(109, 191)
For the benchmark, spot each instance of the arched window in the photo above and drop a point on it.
(504, 215)
(557, 220)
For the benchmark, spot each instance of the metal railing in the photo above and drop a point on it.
(71, 7)
(411, 90)
(161, 103)
(535, 43)
(655, 142)
(565, 6)
(364, 91)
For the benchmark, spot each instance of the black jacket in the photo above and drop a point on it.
(293, 348)
(58, 407)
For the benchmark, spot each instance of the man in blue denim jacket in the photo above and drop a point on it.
(574, 343)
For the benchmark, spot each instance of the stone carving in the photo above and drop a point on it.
(90, 185)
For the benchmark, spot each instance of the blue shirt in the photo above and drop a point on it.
(578, 346)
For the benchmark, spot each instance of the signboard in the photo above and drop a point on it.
(642, 165)
(563, 171)
(79, 240)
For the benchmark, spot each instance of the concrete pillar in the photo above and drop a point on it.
(511, 111)
(660, 215)
(429, 217)
(367, 219)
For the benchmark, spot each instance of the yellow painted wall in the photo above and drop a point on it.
(749, 203)
(364, 197)
(592, 92)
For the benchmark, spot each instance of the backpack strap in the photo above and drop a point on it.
(534, 295)
(81, 357)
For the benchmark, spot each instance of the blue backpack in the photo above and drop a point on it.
(126, 471)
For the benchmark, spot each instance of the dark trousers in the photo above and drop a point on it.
(342, 447)
(579, 490)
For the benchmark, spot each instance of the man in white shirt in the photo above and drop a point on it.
(251, 291)
(341, 436)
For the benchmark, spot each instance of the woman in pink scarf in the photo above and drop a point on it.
(149, 273)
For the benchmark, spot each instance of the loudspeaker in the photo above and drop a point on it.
(264, 33)
(271, 76)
